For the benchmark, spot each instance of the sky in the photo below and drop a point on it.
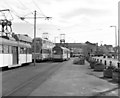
(79, 20)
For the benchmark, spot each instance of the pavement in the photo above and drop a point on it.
(76, 80)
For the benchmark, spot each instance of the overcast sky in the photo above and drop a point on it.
(80, 20)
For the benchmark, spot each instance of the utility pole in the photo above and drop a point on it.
(23, 18)
(34, 36)
(118, 45)
(115, 56)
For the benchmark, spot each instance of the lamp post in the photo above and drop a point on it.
(115, 34)
(115, 40)
(55, 39)
(118, 45)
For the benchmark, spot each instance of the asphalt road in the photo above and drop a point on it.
(23, 80)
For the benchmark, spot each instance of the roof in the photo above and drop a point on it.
(76, 45)
(13, 43)
(89, 43)
(24, 45)
(39, 38)
(8, 38)
(63, 48)
(8, 42)
(21, 37)
(73, 45)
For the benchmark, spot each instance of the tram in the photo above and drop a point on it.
(43, 49)
(60, 53)
(15, 50)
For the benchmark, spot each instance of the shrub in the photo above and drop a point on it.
(76, 60)
(111, 67)
(80, 61)
(99, 67)
(116, 70)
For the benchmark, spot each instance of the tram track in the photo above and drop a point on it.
(33, 82)
(15, 76)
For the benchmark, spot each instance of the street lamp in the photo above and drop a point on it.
(115, 38)
(118, 45)
(55, 39)
(115, 34)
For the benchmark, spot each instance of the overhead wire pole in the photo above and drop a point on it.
(23, 18)
(34, 36)
(115, 56)
(118, 45)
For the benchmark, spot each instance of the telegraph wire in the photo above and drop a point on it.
(23, 17)
(38, 8)
(28, 14)
(3, 14)
(23, 5)
(14, 12)
(11, 15)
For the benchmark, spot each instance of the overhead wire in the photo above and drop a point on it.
(23, 17)
(20, 17)
(24, 5)
(12, 10)
(38, 8)
(15, 13)
(27, 14)
(3, 14)
(11, 15)
(46, 18)
(27, 8)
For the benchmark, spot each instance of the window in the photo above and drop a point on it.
(5, 49)
(25, 50)
(14, 49)
(38, 48)
(29, 51)
(0, 49)
(44, 41)
(57, 51)
(21, 50)
(54, 52)
(9, 49)
(45, 51)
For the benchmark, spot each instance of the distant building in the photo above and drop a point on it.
(75, 48)
(88, 48)
(80, 48)
(105, 49)
(91, 48)
(109, 47)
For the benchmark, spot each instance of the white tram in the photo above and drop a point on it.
(15, 51)
(61, 53)
(43, 49)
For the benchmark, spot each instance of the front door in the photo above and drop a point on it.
(15, 55)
